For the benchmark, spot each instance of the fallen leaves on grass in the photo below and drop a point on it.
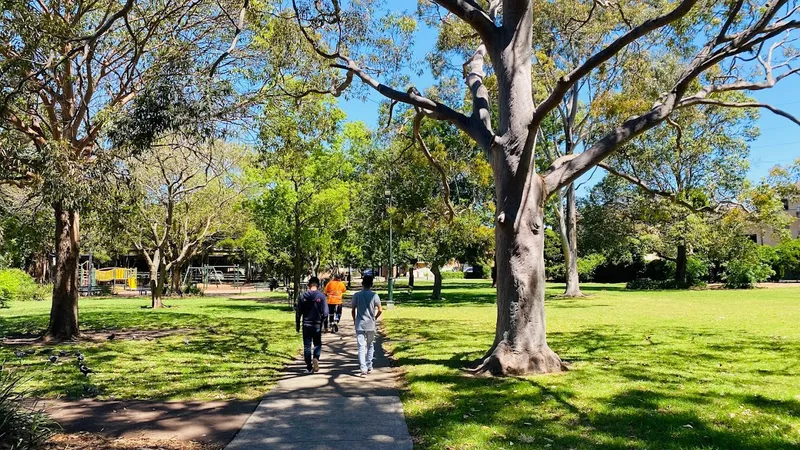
(89, 441)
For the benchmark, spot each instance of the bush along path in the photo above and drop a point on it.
(332, 409)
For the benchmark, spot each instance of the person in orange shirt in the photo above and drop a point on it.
(334, 290)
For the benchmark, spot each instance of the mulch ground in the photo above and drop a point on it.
(144, 424)
(89, 441)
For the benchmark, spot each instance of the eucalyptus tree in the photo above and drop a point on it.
(189, 192)
(698, 162)
(23, 216)
(440, 199)
(714, 42)
(566, 33)
(66, 69)
(302, 193)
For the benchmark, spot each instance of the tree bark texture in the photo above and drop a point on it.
(38, 267)
(573, 288)
(177, 280)
(680, 264)
(520, 344)
(64, 310)
(436, 268)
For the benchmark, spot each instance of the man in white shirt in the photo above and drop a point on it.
(366, 308)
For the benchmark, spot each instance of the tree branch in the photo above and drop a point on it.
(470, 12)
(435, 164)
(434, 109)
(569, 167)
(710, 101)
(474, 74)
(238, 30)
(665, 194)
(567, 81)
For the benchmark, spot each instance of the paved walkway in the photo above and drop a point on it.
(333, 409)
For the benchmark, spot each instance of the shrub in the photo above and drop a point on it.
(696, 271)
(555, 272)
(743, 274)
(452, 275)
(16, 285)
(588, 264)
(660, 269)
(21, 427)
(5, 297)
(647, 284)
(788, 259)
(769, 255)
(621, 272)
(746, 269)
(193, 289)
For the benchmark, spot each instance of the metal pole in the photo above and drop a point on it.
(391, 263)
(91, 274)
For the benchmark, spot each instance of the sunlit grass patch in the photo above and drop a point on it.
(655, 370)
(217, 348)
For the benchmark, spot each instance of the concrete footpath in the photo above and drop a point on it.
(334, 409)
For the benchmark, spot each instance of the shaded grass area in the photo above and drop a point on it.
(222, 349)
(655, 370)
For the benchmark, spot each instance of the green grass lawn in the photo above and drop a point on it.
(713, 369)
(250, 341)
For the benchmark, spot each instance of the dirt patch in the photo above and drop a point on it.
(214, 422)
(103, 336)
(89, 441)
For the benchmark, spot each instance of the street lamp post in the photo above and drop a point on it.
(390, 303)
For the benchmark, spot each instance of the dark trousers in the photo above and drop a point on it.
(312, 334)
(334, 316)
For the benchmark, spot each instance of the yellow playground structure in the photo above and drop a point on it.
(94, 281)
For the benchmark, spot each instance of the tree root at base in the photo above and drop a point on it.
(505, 362)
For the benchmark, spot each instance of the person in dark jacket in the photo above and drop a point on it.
(312, 308)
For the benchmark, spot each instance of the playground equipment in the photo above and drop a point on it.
(94, 281)
(214, 275)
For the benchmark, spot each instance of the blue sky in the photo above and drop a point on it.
(779, 142)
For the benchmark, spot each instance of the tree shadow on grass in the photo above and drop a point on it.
(449, 298)
(628, 390)
(539, 416)
(249, 306)
(215, 357)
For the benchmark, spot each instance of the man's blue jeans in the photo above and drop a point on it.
(366, 349)
(312, 334)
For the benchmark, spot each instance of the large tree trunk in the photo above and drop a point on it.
(680, 265)
(573, 288)
(177, 279)
(520, 344)
(64, 311)
(436, 268)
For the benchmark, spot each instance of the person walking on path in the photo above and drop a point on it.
(334, 291)
(312, 308)
(366, 308)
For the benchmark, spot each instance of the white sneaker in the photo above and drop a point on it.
(369, 370)
(362, 374)
(308, 372)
